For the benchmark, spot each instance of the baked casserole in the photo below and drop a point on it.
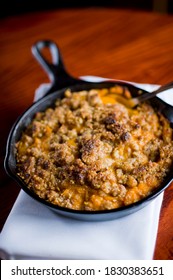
(90, 152)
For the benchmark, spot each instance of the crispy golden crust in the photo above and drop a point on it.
(92, 153)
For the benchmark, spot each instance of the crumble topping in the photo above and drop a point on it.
(90, 152)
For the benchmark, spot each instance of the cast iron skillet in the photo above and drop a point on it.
(60, 81)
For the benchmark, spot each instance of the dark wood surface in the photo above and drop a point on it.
(120, 44)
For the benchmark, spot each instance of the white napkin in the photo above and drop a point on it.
(32, 231)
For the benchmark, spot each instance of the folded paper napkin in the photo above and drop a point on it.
(33, 231)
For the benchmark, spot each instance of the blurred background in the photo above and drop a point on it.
(16, 7)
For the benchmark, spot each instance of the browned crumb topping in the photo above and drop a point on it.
(92, 153)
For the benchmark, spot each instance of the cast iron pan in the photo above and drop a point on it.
(61, 80)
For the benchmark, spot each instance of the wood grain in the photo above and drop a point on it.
(121, 44)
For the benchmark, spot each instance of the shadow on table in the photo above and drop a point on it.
(16, 7)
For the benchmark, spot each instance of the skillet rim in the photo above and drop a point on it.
(9, 163)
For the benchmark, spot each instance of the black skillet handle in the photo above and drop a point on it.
(56, 71)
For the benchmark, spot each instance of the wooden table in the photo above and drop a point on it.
(120, 44)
